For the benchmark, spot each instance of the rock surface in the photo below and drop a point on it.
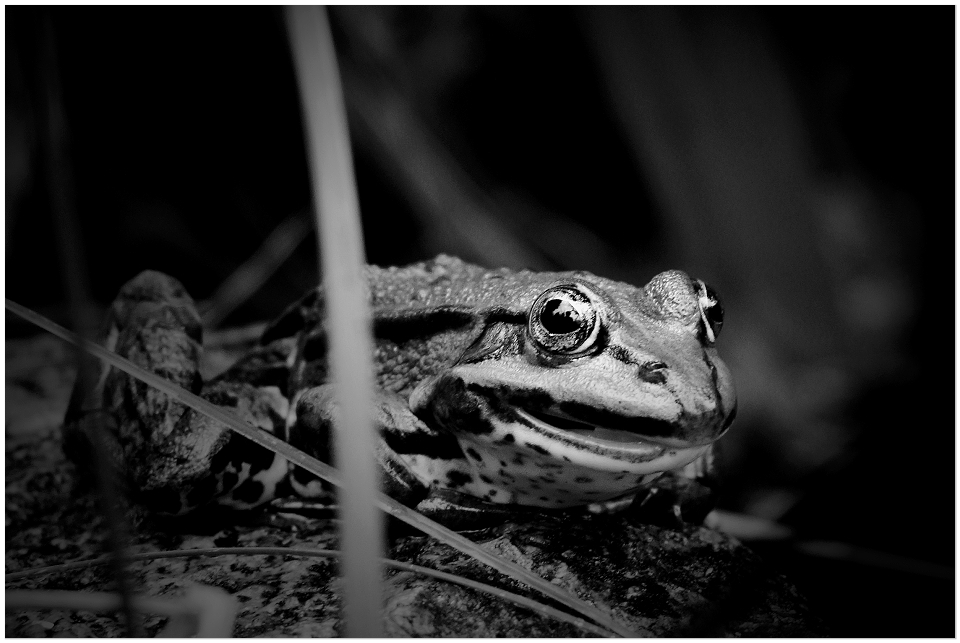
(655, 581)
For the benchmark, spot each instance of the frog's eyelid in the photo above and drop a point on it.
(704, 301)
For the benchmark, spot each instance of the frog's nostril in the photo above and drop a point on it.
(653, 372)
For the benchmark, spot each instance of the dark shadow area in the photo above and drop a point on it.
(801, 160)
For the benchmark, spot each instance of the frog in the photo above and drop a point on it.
(499, 392)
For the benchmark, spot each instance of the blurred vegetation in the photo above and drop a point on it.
(799, 162)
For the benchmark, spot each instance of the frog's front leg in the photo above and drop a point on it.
(175, 458)
(421, 467)
(399, 431)
(682, 496)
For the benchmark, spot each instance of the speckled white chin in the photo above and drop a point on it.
(528, 461)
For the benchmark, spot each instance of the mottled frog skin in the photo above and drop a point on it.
(499, 390)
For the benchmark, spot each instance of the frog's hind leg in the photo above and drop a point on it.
(175, 458)
(421, 467)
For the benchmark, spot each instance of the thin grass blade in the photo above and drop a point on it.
(340, 246)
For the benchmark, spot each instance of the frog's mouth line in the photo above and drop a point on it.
(609, 437)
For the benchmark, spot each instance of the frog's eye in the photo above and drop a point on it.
(711, 310)
(564, 320)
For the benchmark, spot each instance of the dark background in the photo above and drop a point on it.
(801, 160)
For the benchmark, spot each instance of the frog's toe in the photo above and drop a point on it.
(611, 506)
(464, 512)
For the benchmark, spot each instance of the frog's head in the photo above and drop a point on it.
(587, 388)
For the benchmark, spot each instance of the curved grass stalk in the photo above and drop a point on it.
(250, 276)
(328, 473)
(522, 601)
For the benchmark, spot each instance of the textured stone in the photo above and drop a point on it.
(655, 581)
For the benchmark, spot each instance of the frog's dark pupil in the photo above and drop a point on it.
(559, 317)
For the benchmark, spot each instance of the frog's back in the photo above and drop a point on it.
(446, 283)
(424, 316)
(443, 281)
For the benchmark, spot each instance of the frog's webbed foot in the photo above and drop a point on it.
(175, 458)
(672, 501)
(678, 497)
